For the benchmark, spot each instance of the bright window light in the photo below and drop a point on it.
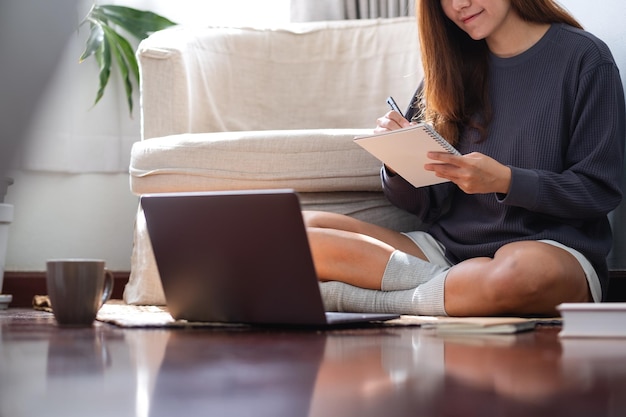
(217, 12)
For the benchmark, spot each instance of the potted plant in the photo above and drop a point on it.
(111, 48)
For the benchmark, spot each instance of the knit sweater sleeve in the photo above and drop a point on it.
(589, 186)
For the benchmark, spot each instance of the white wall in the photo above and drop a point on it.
(70, 215)
(71, 192)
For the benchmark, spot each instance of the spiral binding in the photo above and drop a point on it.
(439, 139)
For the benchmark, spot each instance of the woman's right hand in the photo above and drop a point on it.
(391, 121)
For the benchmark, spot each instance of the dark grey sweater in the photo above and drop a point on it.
(559, 123)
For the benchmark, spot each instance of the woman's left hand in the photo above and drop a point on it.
(473, 173)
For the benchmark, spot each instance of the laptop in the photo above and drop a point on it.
(238, 257)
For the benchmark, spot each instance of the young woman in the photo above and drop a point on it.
(536, 107)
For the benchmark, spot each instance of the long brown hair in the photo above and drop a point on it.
(456, 67)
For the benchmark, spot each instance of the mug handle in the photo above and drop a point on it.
(108, 286)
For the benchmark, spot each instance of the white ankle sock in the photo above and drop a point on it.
(404, 271)
(425, 299)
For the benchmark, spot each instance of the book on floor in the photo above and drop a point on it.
(593, 319)
(481, 325)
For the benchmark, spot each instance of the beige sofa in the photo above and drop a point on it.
(253, 108)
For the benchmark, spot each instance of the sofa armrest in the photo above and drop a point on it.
(299, 76)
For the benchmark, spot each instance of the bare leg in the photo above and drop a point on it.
(351, 251)
(523, 277)
(326, 220)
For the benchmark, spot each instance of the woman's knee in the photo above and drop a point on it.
(531, 274)
(509, 286)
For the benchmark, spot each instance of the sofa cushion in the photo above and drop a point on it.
(305, 160)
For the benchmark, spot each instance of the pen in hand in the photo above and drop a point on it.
(394, 106)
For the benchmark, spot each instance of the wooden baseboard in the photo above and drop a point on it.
(23, 286)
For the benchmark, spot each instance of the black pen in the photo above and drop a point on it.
(393, 105)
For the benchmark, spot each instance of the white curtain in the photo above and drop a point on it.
(369, 9)
(308, 10)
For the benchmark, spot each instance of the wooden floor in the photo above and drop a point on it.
(23, 286)
(109, 371)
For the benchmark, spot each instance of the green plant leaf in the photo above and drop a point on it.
(103, 57)
(94, 42)
(105, 41)
(118, 44)
(129, 54)
(138, 23)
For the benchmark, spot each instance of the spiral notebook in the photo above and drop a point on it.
(404, 151)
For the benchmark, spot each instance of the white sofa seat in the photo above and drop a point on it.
(257, 108)
(309, 160)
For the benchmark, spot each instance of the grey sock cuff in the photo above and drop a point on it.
(404, 271)
(331, 291)
(339, 296)
(427, 299)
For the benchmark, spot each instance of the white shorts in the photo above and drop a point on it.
(435, 253)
